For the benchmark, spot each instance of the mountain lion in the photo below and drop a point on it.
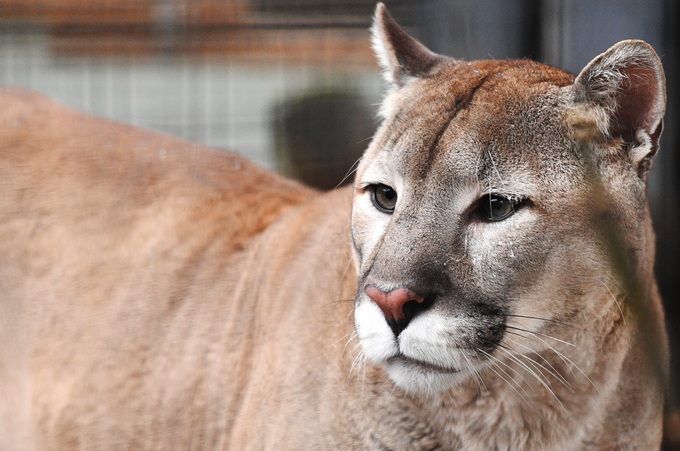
(486, 284)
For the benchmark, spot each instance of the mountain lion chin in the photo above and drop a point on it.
(416, 376)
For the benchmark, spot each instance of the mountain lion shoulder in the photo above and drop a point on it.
(487, 283)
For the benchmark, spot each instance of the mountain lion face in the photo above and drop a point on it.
(476, 221)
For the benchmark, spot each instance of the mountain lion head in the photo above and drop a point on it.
(485, 205)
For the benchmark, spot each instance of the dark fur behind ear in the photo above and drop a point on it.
(401, 56)
(626, 85)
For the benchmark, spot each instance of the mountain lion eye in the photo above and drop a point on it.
(384, 198)
(497, 208)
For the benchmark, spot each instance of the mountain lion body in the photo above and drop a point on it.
(486, 284)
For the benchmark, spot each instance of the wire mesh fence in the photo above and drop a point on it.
(211, 72)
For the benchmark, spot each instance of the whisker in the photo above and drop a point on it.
(504, 364)
(349, 314)
(352, 336)
(394, 387)
(552, 370)
(355, 347)
(475, 374)
(352, 169)
(540, 334)
(616, 301)
(562, 323)
(494, 362)
(501, 362)
(358, 368)
(349, 336)
(564, 357)
(385, 381)
(512, 356)
(495, 168)
(546, 344)
(453, 400)
(567, 361)
(357, 360)
(349, 264)
(535, 375)
(342, 301)
(615, 281)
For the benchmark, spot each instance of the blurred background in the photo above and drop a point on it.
(293, 85)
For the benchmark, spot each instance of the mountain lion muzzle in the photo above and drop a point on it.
(487, 283)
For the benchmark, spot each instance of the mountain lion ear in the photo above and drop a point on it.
(627, 88)
(401, 57)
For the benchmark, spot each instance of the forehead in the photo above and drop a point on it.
(480, 118)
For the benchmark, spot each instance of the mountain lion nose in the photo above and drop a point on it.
(399, 305)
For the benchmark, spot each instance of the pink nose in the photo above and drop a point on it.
(392, 302)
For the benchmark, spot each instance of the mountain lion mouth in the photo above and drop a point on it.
(420, 365)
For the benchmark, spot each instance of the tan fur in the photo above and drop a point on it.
(156, 294)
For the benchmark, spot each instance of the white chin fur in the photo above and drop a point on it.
(416, 380)
(424, 340)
